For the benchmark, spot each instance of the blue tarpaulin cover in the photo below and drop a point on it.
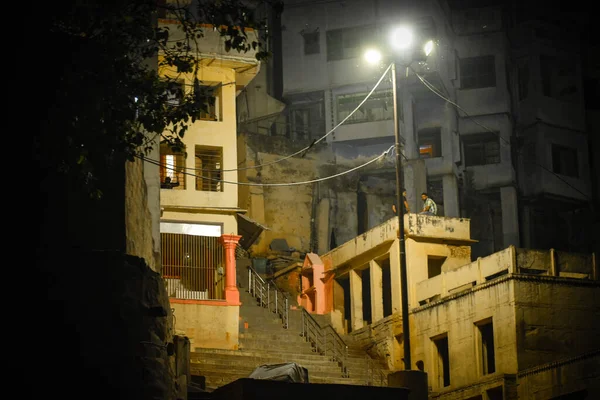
(284, 372)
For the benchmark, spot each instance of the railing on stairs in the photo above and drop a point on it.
(269, 296)
(377, 377)
(328, 342)
(325, 340)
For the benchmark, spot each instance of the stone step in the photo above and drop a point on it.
(353, 364)
(218, 381)
(247, 369)
(323, 369)
(355, 368)
(220, 378)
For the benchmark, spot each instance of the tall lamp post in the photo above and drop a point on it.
(401, 40)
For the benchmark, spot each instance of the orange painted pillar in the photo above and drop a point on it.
(232, 295)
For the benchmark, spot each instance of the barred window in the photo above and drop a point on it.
(209, 168)
(172, 166)
(379, 107)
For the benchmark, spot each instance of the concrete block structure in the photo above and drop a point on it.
(519, 323)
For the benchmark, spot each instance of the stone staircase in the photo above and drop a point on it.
(263, 340)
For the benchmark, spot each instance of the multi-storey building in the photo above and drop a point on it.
(198, 197)
(519, 323)
(503, 141)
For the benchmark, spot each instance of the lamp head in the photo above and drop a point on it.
(401, 38)
(373, 56)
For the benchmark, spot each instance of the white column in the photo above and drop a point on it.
(356, 303)
(376, 291)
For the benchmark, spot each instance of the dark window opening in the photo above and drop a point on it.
(386, 283)
(366, 295)
(363, 213)
(434, 265)
(207, 97)
(306, 115)
(559, 78)
(481, 149)
(477, 72)
(564, 161)
(209, 167)
(495, 393)
(348, 42)
(443, 360)
(430, 143)
(311, 43)
(345, 285)
(487, 356)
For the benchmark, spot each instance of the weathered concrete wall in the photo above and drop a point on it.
(555, 318)
(285, 210)
(140, 223)
(578, 376)
(382, 340)
(207, 326)
(457, 318)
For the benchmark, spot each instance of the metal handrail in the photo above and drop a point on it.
(325, 340)
(269, 295)
(374, 373)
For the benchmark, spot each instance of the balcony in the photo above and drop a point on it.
(512, 260)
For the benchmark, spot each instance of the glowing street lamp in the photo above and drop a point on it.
(428, 48)
(373, 56)
(402, 38)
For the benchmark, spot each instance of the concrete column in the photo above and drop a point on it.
(510, 216)
(451, 208)
(323, 227)
(376, 291)
(232, 295)
(395, 278)
(411, 150)
(356, 304)
(415, 182)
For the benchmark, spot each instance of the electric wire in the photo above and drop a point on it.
(313, 143)
(386, 152)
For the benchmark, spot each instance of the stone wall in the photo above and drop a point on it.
(138, 218)
(313, 216)
(555, 318)
(108, 326)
